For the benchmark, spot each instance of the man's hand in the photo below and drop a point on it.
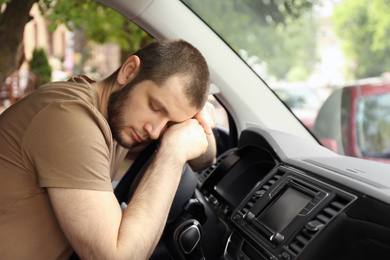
(184, 141)
(206, 118)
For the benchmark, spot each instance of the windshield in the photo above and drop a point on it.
(308, 50)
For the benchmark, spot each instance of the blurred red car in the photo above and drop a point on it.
(355, 121)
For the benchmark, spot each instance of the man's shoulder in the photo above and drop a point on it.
(72, 89)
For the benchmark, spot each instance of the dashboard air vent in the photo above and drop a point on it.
(204, 175)
(262, 189)
(318, 222)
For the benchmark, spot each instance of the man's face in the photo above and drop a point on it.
(143, 113)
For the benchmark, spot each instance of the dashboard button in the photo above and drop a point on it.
(276, 239)
(285, 256)
(314, 225)
(249, 216)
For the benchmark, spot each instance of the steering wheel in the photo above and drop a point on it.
(178, 229)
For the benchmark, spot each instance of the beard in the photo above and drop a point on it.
(115, 109)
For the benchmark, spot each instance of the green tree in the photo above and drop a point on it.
(295, 48)
(364, 28)
(40, 66)
(283, 22)
(100, 23)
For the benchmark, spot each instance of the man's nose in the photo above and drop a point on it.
(155, 128)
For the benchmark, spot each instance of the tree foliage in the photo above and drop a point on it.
(39, 65)
(279, 37)
(100, 23)
(364, 27)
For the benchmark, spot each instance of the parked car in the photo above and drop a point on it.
(362, 111)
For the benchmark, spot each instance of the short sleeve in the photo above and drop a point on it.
(67, 144)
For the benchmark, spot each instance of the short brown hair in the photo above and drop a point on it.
(161, 60)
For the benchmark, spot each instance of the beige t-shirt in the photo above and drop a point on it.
(55, 137)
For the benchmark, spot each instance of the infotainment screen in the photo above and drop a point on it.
(238, 180)
(283, 209)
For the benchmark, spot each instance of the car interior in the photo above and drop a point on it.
(274, 192)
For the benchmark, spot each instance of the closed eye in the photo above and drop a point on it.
(153, 107)
(157, 105)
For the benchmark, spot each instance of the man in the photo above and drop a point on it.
(62, 145)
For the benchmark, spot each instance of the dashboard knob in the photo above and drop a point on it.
(276, 239)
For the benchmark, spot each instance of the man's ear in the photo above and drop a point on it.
(128, 70)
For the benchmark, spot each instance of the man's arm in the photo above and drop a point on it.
(93, 222)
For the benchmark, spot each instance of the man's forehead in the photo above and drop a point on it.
(174, 105)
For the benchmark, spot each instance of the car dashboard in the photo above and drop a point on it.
(286, 198)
